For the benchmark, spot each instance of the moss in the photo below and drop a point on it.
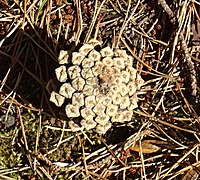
(9, 155)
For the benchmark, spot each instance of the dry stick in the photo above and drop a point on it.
(23, 131)
(44, 172)
(97, 175)
(190, 66)
(62, 134)
(37, 140)
(161, 99)
(112, 152)
(13, 90)
(84, 159)
(138, 59)
(96, 13)
(196, 12)
(180, 160)
(131, 141)
(80, 21)
(187, 169)
(174, 126)
(143, 172)
(15, 102)
(25, 138)
(97, 152)
(127, 19)
(13, 170)
(12, 31)
(167, 10)
(188, 60)
(3, 82)
(146, 114)
(60, 26)
(5, 177)
(171, 138)
(10, 105)
(191, 110)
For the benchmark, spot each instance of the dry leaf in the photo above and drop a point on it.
(147, 146)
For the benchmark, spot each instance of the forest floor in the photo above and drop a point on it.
(163, 139)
